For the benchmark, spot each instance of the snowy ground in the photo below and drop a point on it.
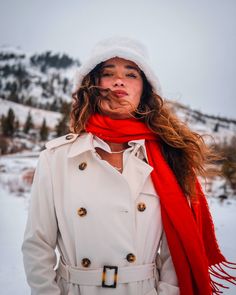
(14, 195)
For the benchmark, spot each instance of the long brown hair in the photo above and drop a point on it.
(185, 151)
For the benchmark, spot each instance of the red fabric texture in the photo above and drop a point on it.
(189, 230)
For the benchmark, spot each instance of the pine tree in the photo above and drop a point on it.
(65, 108)
(17, 125)
(44, 131)
(229, 164)
(8, 123)
(62, 126)
(28, 123)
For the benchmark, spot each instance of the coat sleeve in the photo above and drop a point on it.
(41, 234)
(168, 283)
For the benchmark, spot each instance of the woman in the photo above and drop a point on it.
(118, 196)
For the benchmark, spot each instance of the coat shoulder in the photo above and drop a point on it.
(62, 140)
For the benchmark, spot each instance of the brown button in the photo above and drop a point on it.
(85, 262)
(69, 136)
(131, 257)
(82, 165)
(141, 207)
(82, 211)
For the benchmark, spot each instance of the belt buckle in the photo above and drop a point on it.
(105, 267)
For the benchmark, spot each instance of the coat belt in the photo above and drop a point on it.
(112, 274)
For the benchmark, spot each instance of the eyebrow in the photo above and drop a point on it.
(126, 66)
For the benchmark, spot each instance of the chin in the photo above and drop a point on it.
(117, 111)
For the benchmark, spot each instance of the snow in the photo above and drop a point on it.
(14, 197)
(11, 49)
(21, 112)
(12, 223)
(43, 86)
(205, 124)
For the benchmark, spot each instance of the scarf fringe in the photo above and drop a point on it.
(215, 288)
(228, 264)
(219, 272)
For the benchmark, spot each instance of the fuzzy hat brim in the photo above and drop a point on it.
(129, 51)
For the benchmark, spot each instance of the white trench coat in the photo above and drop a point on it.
(94, 216)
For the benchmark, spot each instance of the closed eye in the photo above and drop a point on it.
(106, 74)
(132, 75)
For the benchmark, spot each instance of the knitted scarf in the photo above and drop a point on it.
(189, 229)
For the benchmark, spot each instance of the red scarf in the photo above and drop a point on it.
(190, 232)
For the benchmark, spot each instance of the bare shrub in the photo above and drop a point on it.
(28, 176)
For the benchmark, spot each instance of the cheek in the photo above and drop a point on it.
(138, 90)
(104, 83)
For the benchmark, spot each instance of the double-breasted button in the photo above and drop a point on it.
(131, 257)
(82, 165)
(69, 136)
(141, 207)
(85, 262)
(82, 211)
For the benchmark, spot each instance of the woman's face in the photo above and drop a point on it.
(123, 78)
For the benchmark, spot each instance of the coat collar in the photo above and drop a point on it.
(82, 144)
(87, 142)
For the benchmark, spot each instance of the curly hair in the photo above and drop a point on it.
(185, 151)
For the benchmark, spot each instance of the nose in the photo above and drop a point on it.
(118, 82)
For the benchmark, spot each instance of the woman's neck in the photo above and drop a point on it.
(116, 147)
(115, 158)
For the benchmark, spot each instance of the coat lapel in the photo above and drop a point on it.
(136, 173)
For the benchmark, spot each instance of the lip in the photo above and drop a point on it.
(120, 93)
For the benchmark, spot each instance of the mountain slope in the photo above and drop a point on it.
(21, 112)
(39, 80)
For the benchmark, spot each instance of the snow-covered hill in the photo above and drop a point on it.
(21, 112)
(220, 128)
(41, 80)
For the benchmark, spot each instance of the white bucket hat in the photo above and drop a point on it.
(122, 47)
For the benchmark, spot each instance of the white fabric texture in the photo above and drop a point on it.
(112, 227)
(122, 47)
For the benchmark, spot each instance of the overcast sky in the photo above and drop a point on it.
(192, 43)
